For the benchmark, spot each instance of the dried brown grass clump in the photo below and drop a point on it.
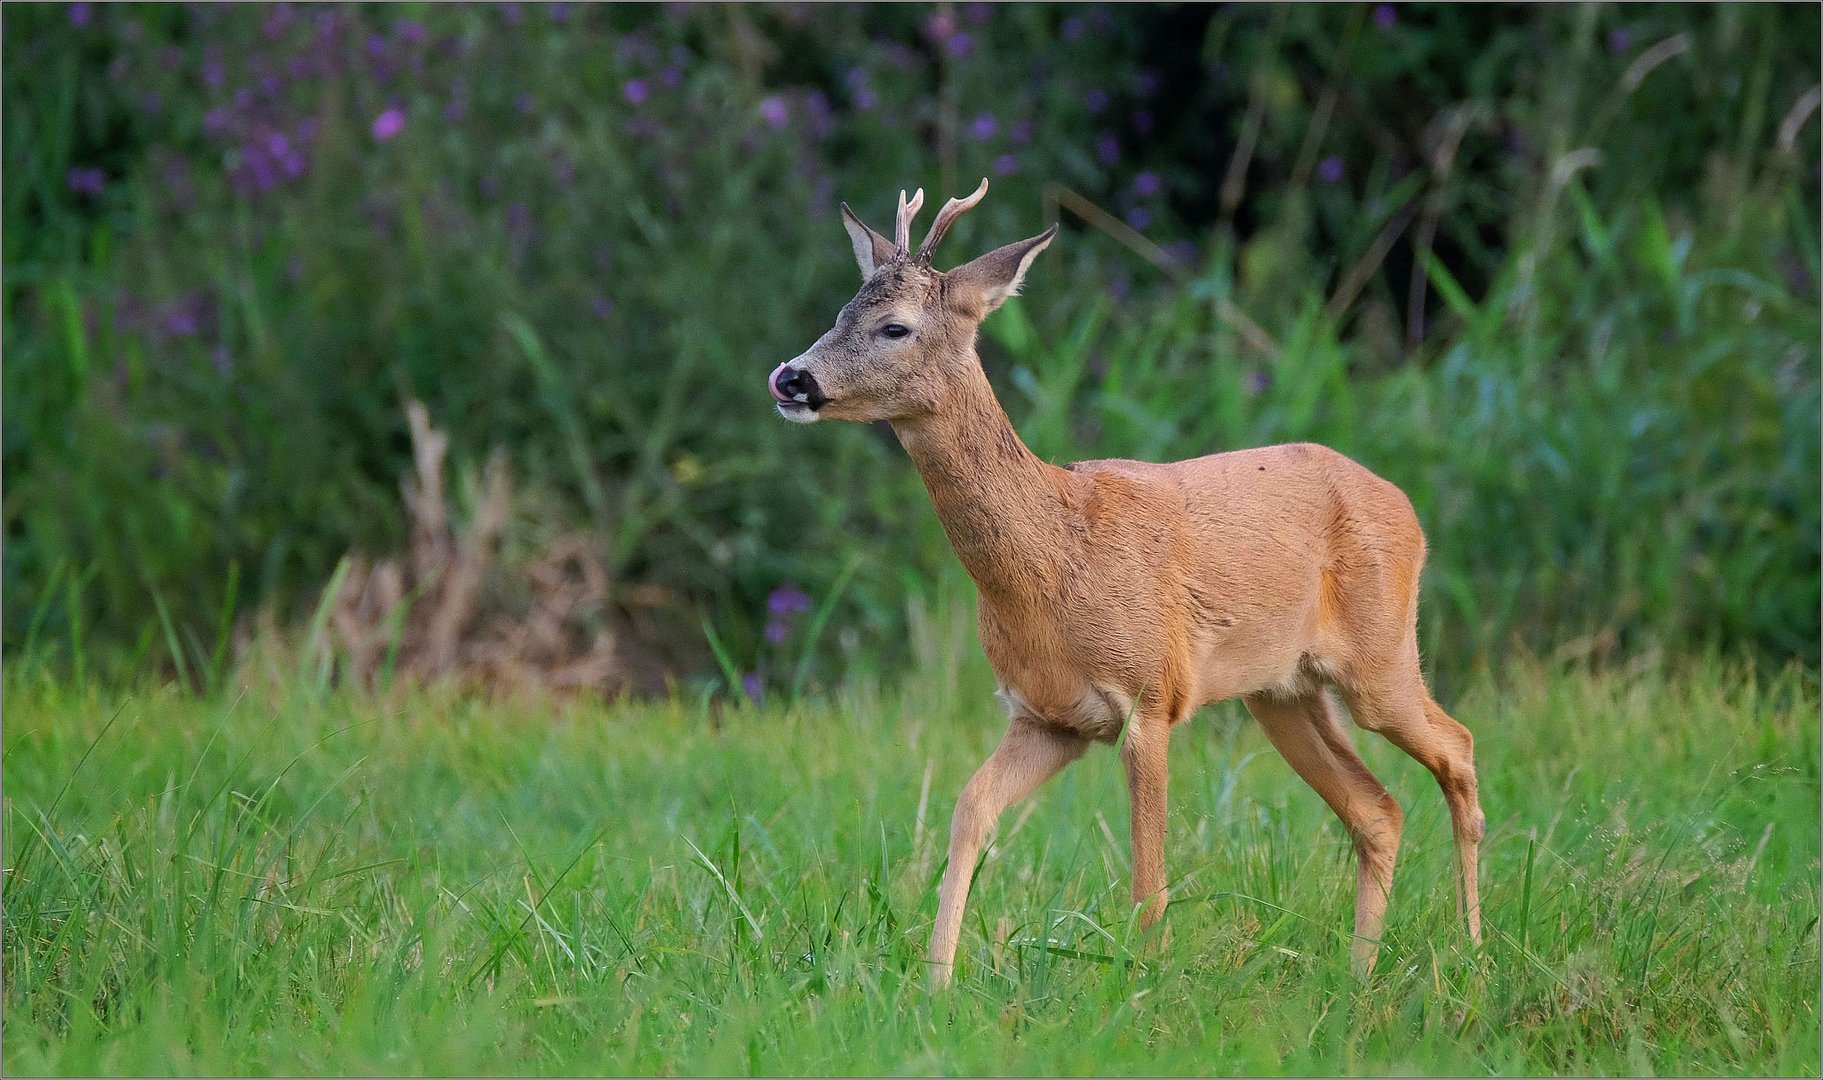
(449, 610)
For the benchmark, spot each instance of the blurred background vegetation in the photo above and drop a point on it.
(1552, 269)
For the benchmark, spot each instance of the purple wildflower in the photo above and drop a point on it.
(1006, 164)
(410, 31)
(985, 126)
(1143, 122)
(1107, 148)
(778, 631)
(151, 103)
(775, 112)
(602, 306)
(1257, 382)
(865, 99)
(1096, 100)
(524, 103)
(1329, 170)
(513, 13)
(1145, 84)
(635, 90)
(560, 12)
(961, 45)
(1071, 30)
(1620, 39)
(977, 13)
(752, 686)
(81, 14)
(214, 73)
(86, 182)
(1147, 184)
(1021, 132)
(278, 21)
(1140, 218)
(940, 27)
(388, 124)
(215, 121)
(1385, 17)
(788, 600)
(672, 76)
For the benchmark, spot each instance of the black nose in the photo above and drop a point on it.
(792, 382)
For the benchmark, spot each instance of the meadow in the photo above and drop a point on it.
(1551, 269)
(274, 880)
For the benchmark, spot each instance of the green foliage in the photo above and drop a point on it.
(309, 883)
(1551, 269)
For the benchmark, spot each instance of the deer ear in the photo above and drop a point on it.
(986, 282)
(871, 249)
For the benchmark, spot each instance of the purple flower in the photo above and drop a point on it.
(1006, 164)
(85, 181)
(777, 631)
(752, 686)
(1257, 382)
(1107, 148)
(410, 31)
(940, 27)
(787, 600)
(1096, 100)
(775, 112)
(524, 103)
(1145, 84)
(1142, 121)
(1620, 39)
(865, 99)
(1184, 251)
(1021, 132)
(977, 13)
(1329, 170)
(1384, 16)
(672, 76)
(215, 121)
(1147, 184)
(513, 13)
(602, 306)
(560, 12)
(150, 103)
(1071, 30)
(81, 14)
(213, 72)
(635, 90)
(1139, 217)
(279, 21)
(985, 126)
(961, 45)
(388, 124)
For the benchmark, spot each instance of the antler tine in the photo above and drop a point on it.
(908, 209)
(947, 216)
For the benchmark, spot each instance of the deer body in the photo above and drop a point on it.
(1117, 597)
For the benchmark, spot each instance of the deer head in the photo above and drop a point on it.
(909, 334)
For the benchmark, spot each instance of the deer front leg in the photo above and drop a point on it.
(1029, 755)
(1143, 752)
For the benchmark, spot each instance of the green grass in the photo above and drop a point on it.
(274, 882)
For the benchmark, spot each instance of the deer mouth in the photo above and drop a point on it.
(797, 412)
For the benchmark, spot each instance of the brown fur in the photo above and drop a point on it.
(1117, 597)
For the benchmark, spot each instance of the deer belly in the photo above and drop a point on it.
(1095, 712)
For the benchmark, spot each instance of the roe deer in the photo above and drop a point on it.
(1120, 596)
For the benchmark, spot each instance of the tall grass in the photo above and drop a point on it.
(1553, 270)
(299, 882)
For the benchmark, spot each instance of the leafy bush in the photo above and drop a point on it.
(1553, 270)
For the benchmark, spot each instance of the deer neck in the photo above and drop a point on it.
(1001, 507)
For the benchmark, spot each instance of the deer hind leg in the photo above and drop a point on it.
(1305, 732)
(1400, 708)
(1027, 756)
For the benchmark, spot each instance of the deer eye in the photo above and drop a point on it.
(895, 330)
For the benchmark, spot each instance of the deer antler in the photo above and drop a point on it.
(908, 209)
(946, 217)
